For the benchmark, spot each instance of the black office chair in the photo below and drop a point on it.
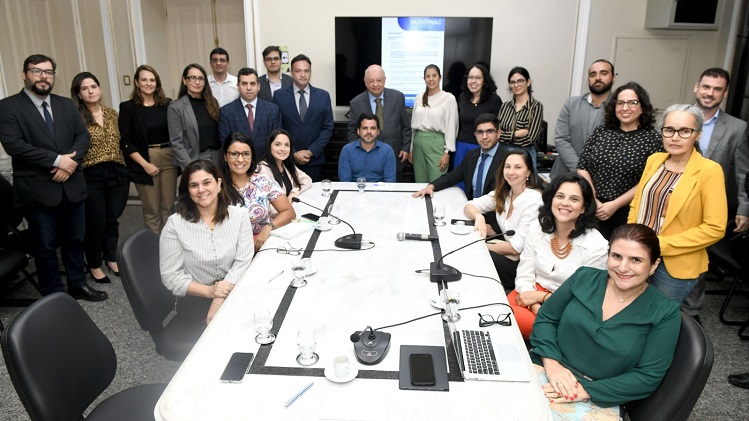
(152, 303)
(681, 387)
(13, 274)
(728, 260)
(60, 362)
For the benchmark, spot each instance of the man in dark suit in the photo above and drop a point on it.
(724, 140)
(389, 106)
(249, 114)
(490, 151)
(47, 139)
(273, 80)
(307, 114)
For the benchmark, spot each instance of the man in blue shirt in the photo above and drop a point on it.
(368, 157)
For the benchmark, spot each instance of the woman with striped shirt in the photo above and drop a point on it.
(682, 197)
(520, 119)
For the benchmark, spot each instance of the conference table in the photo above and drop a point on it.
(349, 290)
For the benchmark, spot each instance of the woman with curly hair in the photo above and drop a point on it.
(614, 155)
(479, 96)
(562, 240)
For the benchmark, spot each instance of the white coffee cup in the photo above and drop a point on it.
(323, 223)
(340, 366)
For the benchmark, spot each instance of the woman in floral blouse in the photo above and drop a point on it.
(252, 190)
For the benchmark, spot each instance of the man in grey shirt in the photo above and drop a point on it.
(581, 115)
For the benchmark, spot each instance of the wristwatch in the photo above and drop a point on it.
(271, 225)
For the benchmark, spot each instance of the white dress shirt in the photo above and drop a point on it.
(539, 264)
(225, 92)
(525, 211)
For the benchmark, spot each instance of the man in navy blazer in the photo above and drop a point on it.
(47, 140)
(395, 124)
(307, 114)
(273, 80)
(487, 135)
(234, 116)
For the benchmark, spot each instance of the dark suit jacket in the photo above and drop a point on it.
(265, 92)
(729, 147)
(25, 137)
(317, 128)
(397, 124)
(232, 118)
(464, 172)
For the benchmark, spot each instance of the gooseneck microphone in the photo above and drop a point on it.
(351, 241)
(419, 237)
(371, 348)
(439, 271)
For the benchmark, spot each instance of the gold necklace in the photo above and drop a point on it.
(560, 252)
(621, 300)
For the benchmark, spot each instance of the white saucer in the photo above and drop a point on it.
(317, 227)
(436, 302)
(330, 375)
(456, 229)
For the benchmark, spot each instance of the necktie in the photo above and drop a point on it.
(479, 187)
(302, 105)
(48, 119)
(250, 118)
(378, 112)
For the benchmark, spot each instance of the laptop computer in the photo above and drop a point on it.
(480, 358)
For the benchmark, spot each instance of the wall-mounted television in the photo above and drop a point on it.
(403, 46)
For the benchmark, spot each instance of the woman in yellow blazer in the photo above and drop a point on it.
(682, 197)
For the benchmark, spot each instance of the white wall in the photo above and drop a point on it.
(536, 34)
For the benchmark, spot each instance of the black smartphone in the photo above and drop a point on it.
(311, 216)
(468, 222)
(238, 366)
(422, 370)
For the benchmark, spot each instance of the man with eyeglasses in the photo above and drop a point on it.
(390, 107)
(307, 114)
(479, 168)
(274, 79)
(249, 114)
(580, 115)
(47, 140)
(724, 140)
(223, 85)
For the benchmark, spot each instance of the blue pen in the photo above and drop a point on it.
(301, 392)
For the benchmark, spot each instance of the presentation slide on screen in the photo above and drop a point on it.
(408, 45)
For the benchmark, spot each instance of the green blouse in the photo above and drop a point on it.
(618, 360)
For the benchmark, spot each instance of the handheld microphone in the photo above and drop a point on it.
(439, 271)
(420, 237)
(351, 241)
(370, 349)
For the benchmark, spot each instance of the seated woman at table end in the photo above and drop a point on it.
(205, 246)
(608, 336)
(563, 239)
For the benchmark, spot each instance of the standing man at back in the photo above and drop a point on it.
(581, 115)
(390, 108)
(274, 79)
(307, 114)
(724, 140)
(47, 139)
(223, 85)
(249, 114)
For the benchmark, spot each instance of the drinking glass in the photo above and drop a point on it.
(307, 343)
(450, 299)
(361, 183)
(263, 324)
(327, 187)
(332, 212)
(299, 271)
(439, 215)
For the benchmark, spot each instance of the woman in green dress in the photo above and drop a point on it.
(607, 335)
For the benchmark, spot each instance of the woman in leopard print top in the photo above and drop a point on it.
(106, 177)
